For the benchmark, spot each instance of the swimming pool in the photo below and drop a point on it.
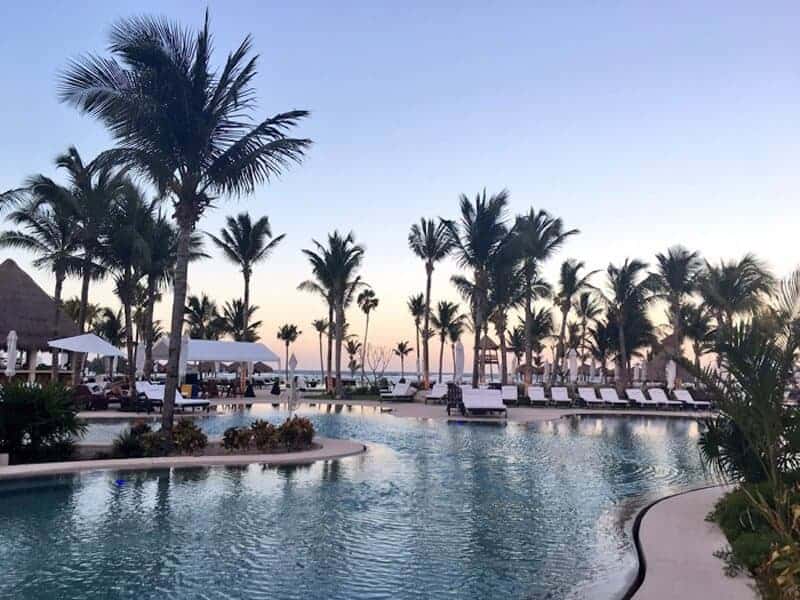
(432, 510)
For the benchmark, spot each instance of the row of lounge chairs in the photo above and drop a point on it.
(150, 395)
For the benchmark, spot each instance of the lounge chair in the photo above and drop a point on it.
(474, 402)
(155, 395)
(686, 398)
(637, 397)
(661, 397)
(609, 396)
(589, 397)
(509, 393)
(536, 395)
(438, 393)
(560, 395)
(401, 391)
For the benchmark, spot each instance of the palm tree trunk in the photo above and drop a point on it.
(528, 332)
(503, 361)
(622, 359)
(147, 368)
(441, 358)
(176, 324)
(417, 350)
(676, 327)
(77, 358)
(339, 339)
(286, 366)
(331, 326)
(426, 324)
(364, 349)
(126, 307)
(56, 318)
(245, 319)
(453, 349)
(321, 361)
(477, 340)
(560, 347)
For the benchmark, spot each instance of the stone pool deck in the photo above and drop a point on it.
(329, 449)
(678, 546)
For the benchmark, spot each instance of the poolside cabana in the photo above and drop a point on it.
(29, 311)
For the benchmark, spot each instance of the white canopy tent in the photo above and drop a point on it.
(88, 343)
(216, 351)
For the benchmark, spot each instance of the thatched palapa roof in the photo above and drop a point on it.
(29, 310)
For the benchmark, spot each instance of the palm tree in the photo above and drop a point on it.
(416, 306)
(734, 288)
(541, 328)
(627, 299)
(203, 318)
(72, 307)
(110, 326)
(587, 308)
(697, 325)
(675, 280)
(601, 343)
(288, 334)
(335, 269)
(505, 292)
(402, 350)
(233, 319)
(185, 127)
(48, 230)
(323, 287)
(537, 237)
(476, 238)
(432, 243)
(245, 244)
(367, 301)
(443, 322)
(353, 348)
(570, 283)
(321, 326)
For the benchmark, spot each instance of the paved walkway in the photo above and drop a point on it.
(679, 545)
(330, 448)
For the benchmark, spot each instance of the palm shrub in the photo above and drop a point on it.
(265, 436)
(188, 437)
(296, 433)
(237, 438)
(38, 422)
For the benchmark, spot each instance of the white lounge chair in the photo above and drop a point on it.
(686, 397)
(589, 396)
(509, 393)
(609, 396)
(560, 395)
(536, 395)
(482, 401)
(637, 397)
(401, 391)
(661, 397)
(437, 393)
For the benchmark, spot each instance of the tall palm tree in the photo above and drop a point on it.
(185, 127)
(697, 325)
(537, 236)
(233, 319)
(479, 234)
(335, 269)
(203, 318)
(288, 334)
(323, 287)
(601, 343)
(72, 307)
(570, 284)
(588, 309)
(47, 230)
(367, 301)
(505, 292)
(734, 288)
(431, 242)
(676, 279)
(353, 348)
(416, 306)
(245, 243)
(402, 350)
(321, 326)
(443, 321)
(627, 298)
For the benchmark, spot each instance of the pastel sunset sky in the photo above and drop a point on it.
(643, 125)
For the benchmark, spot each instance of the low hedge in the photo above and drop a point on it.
(293, 434)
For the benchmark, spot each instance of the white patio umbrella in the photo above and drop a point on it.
(515, 367)
(88, 343)
(572, 359)
(139, 360)
(11, 353)
(592, 370)
(458, 374)
(671, 372)
(637, 373)
(546, 371)
(644, 370)
(292, 383)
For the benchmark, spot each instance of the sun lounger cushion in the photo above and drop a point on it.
(560, 395)
(658, 395)
(638, 397)
(686, 397)
(536, 394)
(588, 395)
(609, 395)
(483, 400)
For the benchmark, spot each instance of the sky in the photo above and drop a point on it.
(642, 124)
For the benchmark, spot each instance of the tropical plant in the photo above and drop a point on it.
(321, 326)
(233, 319)
(570, 285)
(416, 306)
(323, 287)
(203, 318)
(110, 326)
(505, 292)
(246, 243)
(288, 334)
(354, 349)
(602, 341)
(185, 127)
(734, 288)
(431, 242)
(189, 437)
(335, 269)
(403, 349)
(443, 322)
(476, 238)
(675, 280)
(588, 309)
(367, 301)
(697, 324)
(541, 328)
(537, 237)
(626, 300)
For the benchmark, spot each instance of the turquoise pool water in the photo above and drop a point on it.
(433, 510)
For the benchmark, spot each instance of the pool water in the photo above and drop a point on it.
(432, 510)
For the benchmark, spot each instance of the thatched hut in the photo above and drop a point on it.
(261, 367)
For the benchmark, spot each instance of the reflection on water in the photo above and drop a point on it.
(432, 510)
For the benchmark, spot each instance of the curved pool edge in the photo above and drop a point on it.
(330, 449)
(669, 561)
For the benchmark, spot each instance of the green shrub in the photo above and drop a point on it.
(38, 422)
(237, 438)
(188, 437)
(752, 549)
(128, 444)
(157, 443)
(296, 433)
(265, 436)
